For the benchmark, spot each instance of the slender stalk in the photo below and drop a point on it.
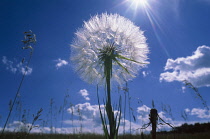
(108, 70)
(30, 38)
(129, 105)
(72, 117)
(18, 90)
(124, 114)
(125, 99)
(51, 115)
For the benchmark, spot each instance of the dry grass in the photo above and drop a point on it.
(96, 136)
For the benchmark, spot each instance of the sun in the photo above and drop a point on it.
(138, 4)
(141, 3)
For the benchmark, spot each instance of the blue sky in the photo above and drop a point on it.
(177, 34)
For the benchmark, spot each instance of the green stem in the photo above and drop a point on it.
(108, 72)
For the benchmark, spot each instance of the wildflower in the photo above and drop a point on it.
(109, 47)
(109, 41)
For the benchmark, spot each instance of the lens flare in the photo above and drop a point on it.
(140, 2)
(149, 8)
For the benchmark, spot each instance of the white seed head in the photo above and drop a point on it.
(104, 30)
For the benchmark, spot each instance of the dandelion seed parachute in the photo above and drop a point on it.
(104, 30)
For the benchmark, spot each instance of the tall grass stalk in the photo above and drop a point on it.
(125, 99)
(129, 110)
(190, 85)
(72, 117)
(184, 115)
(80, 118)
(51, 115)
(63, 108)
(35, 118)
(125, 91)
(30, 40)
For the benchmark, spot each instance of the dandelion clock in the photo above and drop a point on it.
(108, 46)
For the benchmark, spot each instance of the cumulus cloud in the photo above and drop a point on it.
(60, 63)
(198, 112)
(86, 111)
(84, 93)
(86, 114)
(144, 112)
(90, 119)
(13, 66)
(18, 126)
(194, 68)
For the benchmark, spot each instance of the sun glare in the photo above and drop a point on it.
(138, 3)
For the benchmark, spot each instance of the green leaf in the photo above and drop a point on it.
(117, 61)
(122, 57)
(103, 119)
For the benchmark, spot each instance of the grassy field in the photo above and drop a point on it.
(95, 136)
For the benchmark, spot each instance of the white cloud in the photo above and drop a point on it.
(163, 116)
(187, 110)
(200, 113)
(18, 126)
(195, 68)
(144, 73)
(86, 111)
(24, 70)
(86, 114)
(11, 66)
(143, 108)
(144, 112)
(90, 119)
(84, 93)
(60, 63)
(183, 89)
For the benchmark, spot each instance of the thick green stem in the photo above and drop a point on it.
(110, 113)
(107, 55)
